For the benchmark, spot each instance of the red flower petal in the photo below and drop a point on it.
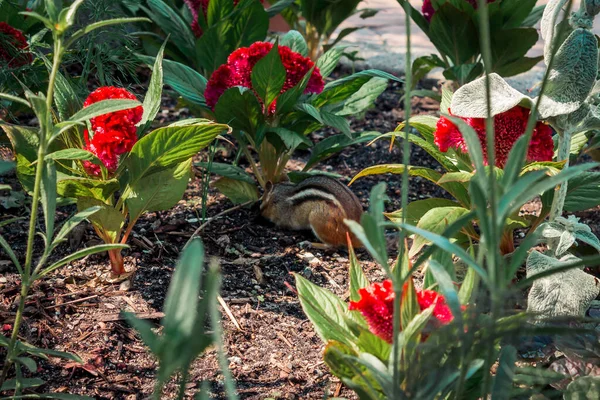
(12, 41)
(238, 71)
(509, 126)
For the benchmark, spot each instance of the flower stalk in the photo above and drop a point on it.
(26, 281)
(564, 147)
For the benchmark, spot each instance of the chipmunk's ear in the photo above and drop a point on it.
(268, 186)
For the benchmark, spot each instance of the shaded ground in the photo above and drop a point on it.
(275, 354)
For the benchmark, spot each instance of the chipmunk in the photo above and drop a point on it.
(318, 203)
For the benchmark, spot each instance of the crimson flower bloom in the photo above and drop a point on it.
(12, 42)
(114, 133)
(508, 127)
(427, 10)
(376, 304)
(195, 6)
(238, 71)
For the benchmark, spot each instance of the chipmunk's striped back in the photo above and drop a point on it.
(319, 203)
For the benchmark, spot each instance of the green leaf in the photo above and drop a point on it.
(453, 33)
(73, 222)
(288, 99)
(183, 79)
(27, 362)
(108, 218)
(519, 66)
(240, 109)
(268, 76)
(573, 74)
(25, 143)
(182, 297)
(159, 191)
(334, 144)
(510, 45)
(11, 254)
(167, 147)
(295, 41)
(237, 191)
(53, 8)
(73, 154)
(582, 388)
(328, 61)
(291, 139)
(86, 187)
(228, 171)
(25, 347)
(435, 220)
(153, 97)
(583, 192)
(24, 383)
(14, 99)
(358, 280)
(172, 24)
(503, 380)
(103, 107)
(589, 238)
(515, 12)
(325, 311)
(416, 209)
(48, 199)
(80, 254)
(454, 188)
(464, 72)
(364, 98)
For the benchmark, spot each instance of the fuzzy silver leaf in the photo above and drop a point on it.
(563, 294)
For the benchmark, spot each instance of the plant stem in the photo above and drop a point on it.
(564, 145)
(257, 174)
(45, 133)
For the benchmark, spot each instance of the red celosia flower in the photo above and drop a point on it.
(114, 133)
(6, 327)
(12, 42)
(376, 304)
(427, 10)
(238, 71)
(508, 127)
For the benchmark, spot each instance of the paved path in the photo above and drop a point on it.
(383, 42)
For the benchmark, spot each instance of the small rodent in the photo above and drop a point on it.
(318, 203)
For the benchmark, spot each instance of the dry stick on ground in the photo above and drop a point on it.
(228, 312)
(197, 232)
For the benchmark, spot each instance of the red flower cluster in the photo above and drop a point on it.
(12, 42)
(376, 304)
(238, 70)
(508, 127)
(195, 6)
(114, 133)
(427, 10)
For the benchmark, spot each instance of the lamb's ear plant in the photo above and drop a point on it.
(184, 336)
(455, 360)
(43, 189)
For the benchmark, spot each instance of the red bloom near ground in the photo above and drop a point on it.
(508, 127)
(114, 133)
(238, 70)
(12, 42)
(376, 304)
(427, 10)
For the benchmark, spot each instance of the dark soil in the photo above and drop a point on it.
(275, 353)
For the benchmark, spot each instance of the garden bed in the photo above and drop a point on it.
(274, 351)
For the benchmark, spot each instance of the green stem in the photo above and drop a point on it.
(257, 173)
(42, 149)
(15, 332)
(564, 146)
